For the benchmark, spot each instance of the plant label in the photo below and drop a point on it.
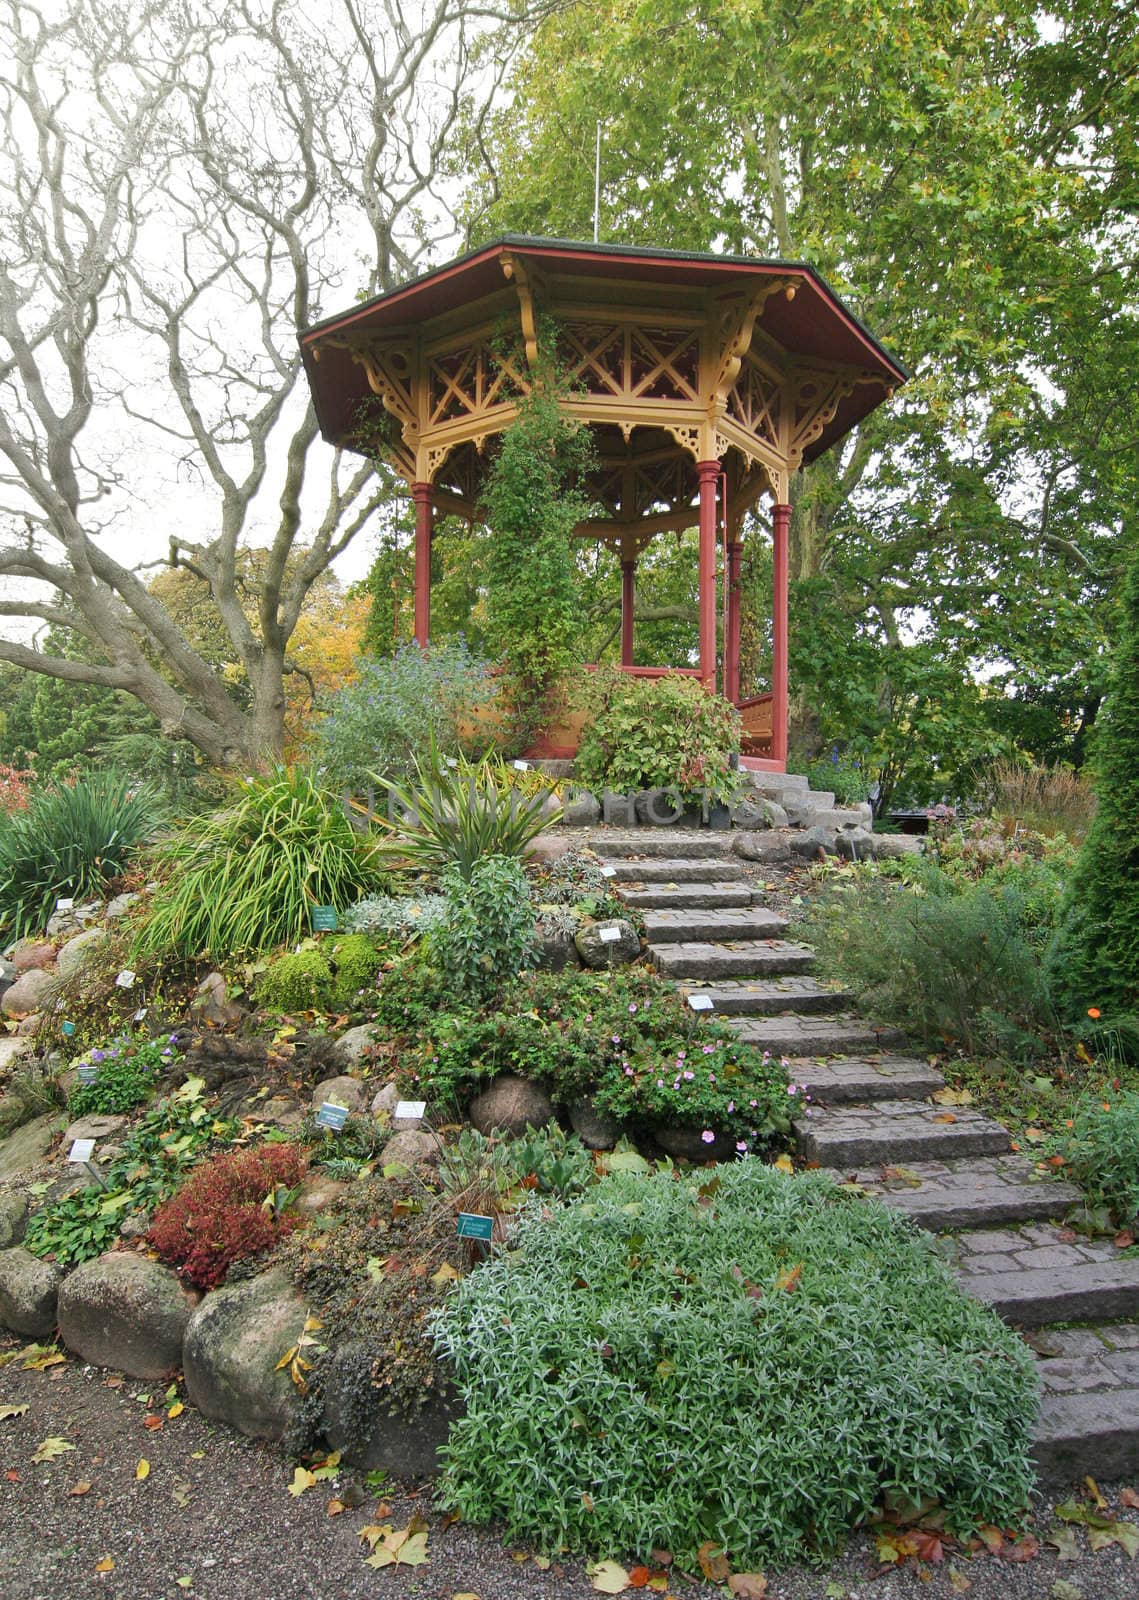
(82, 1150)
(473, 1226)
(323, 919)
(701, 1002)
(609, 935)
(139, 1014)
(88, 1074)
(609, 872)
(65, 905)
(124, 980)
(521, 766)
(67, 1029)
(331, 1116)
(413, 1109)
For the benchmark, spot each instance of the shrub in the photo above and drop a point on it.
(298, 981)
(379, 723)
(844, 774)
(1048, 800)
(950, 967)
(755, 1361)
(488, 934)
(69, 841)
(229, 1209)
(1102, 1151)
(15, 788)
(657, 733)
(455, 814)
(244, 879)
(128, 1071)
(404, 916)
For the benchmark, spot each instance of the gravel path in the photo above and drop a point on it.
(213, 1519)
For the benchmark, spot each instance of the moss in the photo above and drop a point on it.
(357, 960)
(297, 982)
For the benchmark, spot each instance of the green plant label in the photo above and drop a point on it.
(701, 1002)
(412, 1109)
(473, 1226)
(82, 1150)
(67, 1029)
(323, 919)
(88, 1074)
(332, 1116)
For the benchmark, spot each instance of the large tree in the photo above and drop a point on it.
(180, 188)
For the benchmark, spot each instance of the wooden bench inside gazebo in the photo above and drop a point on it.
(707, 380)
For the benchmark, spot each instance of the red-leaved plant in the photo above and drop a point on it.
(220, 1214)
(15, 790)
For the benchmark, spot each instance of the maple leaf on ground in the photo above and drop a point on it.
(748, 1585)
(714, 1564)
(1130, 1499)
(608, 1577)
(405, 1547)
(1026, 1548)
(49, 1449)
(11, 1411)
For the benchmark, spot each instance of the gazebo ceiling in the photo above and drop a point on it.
(756, 363)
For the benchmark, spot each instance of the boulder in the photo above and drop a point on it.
(73, 920)
(31, 954)
(664, 808)
(119, 906)
(547, 848)
(889, 846)
(233, 1344)
(93, 1127)
(411, 1148)
(580, 809)
(385, 1102)
(618, 810)
(13, 1219)
(357, 1420)
(508, 1105)
(124, 1311)
(855, 844)
(31, 991)
(690, 1144)
(357, 1046)
(77, 952)
(766, 845)
(556, 949)
(342, 1091)
(598, 952)
(28, 1291)
(812, 841)
(29, 1025)
(28, 1145)
(319, 1193)
(596, 1129)
(212, 1005)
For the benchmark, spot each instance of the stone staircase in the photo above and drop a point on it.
(873, 1121)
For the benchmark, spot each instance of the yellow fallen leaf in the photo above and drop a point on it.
(335, 1507)
(444, 1275)
(784, 1164)
(50, 1448)
(106, 1565)
(81, 1488)
(142, 1471)
(185, 1582)
(302, 1479)
(399, 1548)
(608, 1577)
(11, 1411)
(176, 1410)
(953, 1097)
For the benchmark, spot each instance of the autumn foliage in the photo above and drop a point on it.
(227, 1211)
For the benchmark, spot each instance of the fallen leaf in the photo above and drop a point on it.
(1130, 1499)
(11, 1411)
(182, 1492)
(335, 1507)
(185, 1582)
(992, 1538)
(12, 1477)
(444, 1275)
(106, 1565)
(302, 1479)
(639, 1577)
(1065, 1543)
(946, 1116)
(1035, 1135)
(50, 1448)
(608, 1577)
(153, 1423)
(142, 1471)
(542, 1563)
(748, 1585)
(81, 1488)
(784, 1164)
(1063, 1590)
(1026, 1548)
(38, 1357)
(176, 1410)
(953, 1097)
(929, 1547)
(1093, 1490)
(958, 1582)
(714, 1564)
(399, 1547)
(587, 1500)
(788, 1280)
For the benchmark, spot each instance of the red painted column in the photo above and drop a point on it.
(732, 632)
(781, 527)
(424, 516)
(628, 597)
(708, 473)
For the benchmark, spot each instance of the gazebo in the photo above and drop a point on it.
(707, 380)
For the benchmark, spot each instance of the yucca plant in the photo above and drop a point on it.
(244, 879)
(69, 841)
(456, 812)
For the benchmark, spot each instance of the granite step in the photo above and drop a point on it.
(676, 870)
(745, 958)
(708, 927)
(1089, 1404)
(765, 997)
(688, 896)
(790, 1034)
(689, 843)
(895, 1132)
(1040, 1272)
(978, 1192)
(856, 1080)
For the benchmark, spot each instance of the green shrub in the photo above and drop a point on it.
(657, 733)
(755, 1360)
(357, 960)
(298, 981)
(1101, 1150)
(69, 841)
(128, 1071)
(455, 814)
(962, 968)
(488, 934)
(844, 774)
(245, 878)
(403, 916)
(379, 723)
(544, 1159)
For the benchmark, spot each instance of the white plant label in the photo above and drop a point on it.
(701, 1002)
(64, 905)
(521, 766)
(412, 1109)
(124, 980)
(609, 872)
(82, 1150)
(139, 1014)
(609, 935)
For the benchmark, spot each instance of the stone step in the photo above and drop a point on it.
(1089, 1404)
(1040, 1272)
(981, 1192)
(856, 1080)
(684, 869)
(747, 958)
(894, 1132)
(689, 843)
(688, 896)
(800, 806)
(793, 1035)
(765, 997)
(781, 782)
(706, 927)
(838, 817)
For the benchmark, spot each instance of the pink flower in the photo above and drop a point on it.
(709, 1049)
(741, 1146)
(708, 1136)
(731, 1106)
(792, 1088)
(632, 1009)
(688, 1077)
(680, 1055)
(660, 1083)
(628, 1072)
(753, 1102)
(711, 1077)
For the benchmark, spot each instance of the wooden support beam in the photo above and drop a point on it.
(628, 598)
(423, 495)
(708, 473)
(781, 528)
(732, 630)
